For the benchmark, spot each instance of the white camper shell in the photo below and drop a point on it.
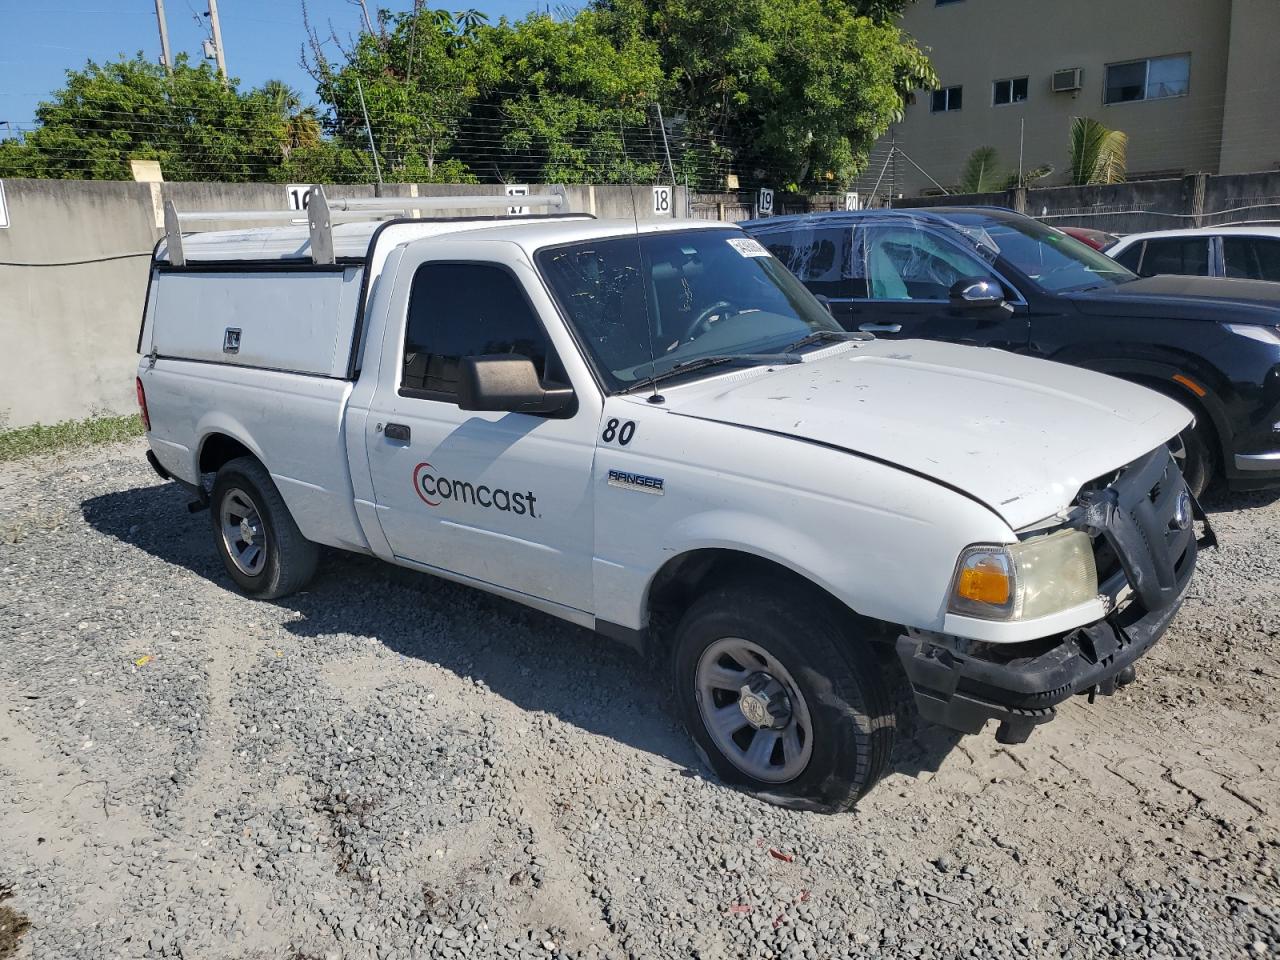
(652, 430)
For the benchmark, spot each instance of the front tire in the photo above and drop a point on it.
(781, 697)
(260, 545)
(1193, 451)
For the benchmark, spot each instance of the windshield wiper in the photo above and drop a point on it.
(699, 363)
(731, 357)
(819, 335)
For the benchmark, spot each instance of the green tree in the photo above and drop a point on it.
(787, 91)
(419, 77)
(453, 98)
(567, 99)
(1098, 154)
(197, 127)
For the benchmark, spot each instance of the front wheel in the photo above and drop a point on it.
(1193, 451)
(781, 698)
(260, 544)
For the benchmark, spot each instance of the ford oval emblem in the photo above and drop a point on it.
(1182, 511)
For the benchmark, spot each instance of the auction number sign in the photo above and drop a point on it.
(298, 195)
(764, 202)
(517, 190)
(662, 204)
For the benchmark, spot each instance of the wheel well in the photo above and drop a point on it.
(218, 449)
(684, 578)
(1189, 400)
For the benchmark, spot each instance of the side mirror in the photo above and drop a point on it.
(507, 382)
(976, 293)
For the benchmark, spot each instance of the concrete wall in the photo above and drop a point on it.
(69, 316)
(976, 42)
(1195, 201)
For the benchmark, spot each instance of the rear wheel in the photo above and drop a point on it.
(261, 546)
(781, 697)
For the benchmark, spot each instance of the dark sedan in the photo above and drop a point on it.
(995, 278)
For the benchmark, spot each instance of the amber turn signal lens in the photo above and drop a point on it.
(985, 582)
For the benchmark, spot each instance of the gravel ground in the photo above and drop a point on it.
(392, 766)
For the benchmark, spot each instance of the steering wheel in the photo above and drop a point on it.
(701, 319)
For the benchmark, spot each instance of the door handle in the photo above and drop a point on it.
(881, 328)
(396, 431)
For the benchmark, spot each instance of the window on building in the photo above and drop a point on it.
(1251, 258)
(461, 310)
(1013, 90)
(947, 99)
(1154, 79)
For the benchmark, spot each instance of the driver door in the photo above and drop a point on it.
(909, 270)
(502, 498)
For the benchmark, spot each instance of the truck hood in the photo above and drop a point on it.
(1018, 434)
(1185, 298)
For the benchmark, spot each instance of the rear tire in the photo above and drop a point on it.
(815, 696)
(260, 545)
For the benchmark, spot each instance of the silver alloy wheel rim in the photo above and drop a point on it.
(767, 753)
(243, 532)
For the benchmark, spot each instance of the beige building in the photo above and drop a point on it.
(1192, 82)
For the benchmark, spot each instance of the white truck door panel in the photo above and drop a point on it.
(503, 498)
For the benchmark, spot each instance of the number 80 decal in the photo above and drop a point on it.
(622, 433)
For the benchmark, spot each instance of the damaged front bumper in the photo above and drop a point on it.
(962, 685)
(1146, 518)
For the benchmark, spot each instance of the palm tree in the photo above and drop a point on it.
(1098, 155)
(980, 174)
(299, 125)
(469, 20)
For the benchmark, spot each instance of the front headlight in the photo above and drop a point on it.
(1021, 581)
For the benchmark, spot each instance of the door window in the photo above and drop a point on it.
(909, 263)
(1131, 256)
(1184, 256)
(1251, 258)
(822, 258)
(461, 310)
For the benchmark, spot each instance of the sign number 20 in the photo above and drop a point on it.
(623, 434)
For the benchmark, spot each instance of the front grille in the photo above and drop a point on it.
(1134, 522)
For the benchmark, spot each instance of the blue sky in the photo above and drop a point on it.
(40, 39)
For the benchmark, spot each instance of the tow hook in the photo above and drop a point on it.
(1110, 685)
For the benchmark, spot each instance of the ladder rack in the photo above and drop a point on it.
(322, 212)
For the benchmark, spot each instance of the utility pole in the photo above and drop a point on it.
(164, 37)
(217, 39)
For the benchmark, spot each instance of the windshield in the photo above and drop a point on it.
(644, 304)
(1053, 260)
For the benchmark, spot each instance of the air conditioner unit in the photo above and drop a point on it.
(1066, 81)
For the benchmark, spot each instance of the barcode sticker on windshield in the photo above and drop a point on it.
(748, 247)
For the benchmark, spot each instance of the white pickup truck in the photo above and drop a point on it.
(653, 430)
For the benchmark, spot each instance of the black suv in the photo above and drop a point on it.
(995, 278)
